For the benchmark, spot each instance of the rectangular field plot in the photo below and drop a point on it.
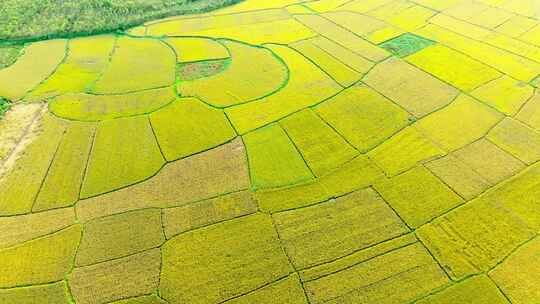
(417, 196)
(516, 275)
(358, 257)
(453, 67)
(116, 162)
(490, 161)
(120, 235)
(474, 238)
(192, 216)
(406, 44)
(530, 113)
(19, 229)
(273, 158)
(236, 257)
(479, 289)
(403, 151)
(323, 149)
(513, 65)
(460, 123)
(39, 261)
(407, 18)
(459, 176)
(399, 276)
(357, 174)
(521, 195)
(399, 81)
(517, 139)
(359, 24)
(324, 232)
(505, 94)
(363, 116)
(117, 279)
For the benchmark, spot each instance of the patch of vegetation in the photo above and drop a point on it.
(4, 106)
(196, 70)
(8, 54)
(30, 19)
(536, 82)
(406, 44)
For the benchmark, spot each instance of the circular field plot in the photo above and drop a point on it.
(378, 152)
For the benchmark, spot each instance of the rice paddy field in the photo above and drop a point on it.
(284, 151)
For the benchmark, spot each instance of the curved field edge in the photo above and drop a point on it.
(28, 20)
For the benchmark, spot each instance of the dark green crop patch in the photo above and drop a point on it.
(4, 106)
(406, 44)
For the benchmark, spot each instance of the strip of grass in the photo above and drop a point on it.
(31, 20)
